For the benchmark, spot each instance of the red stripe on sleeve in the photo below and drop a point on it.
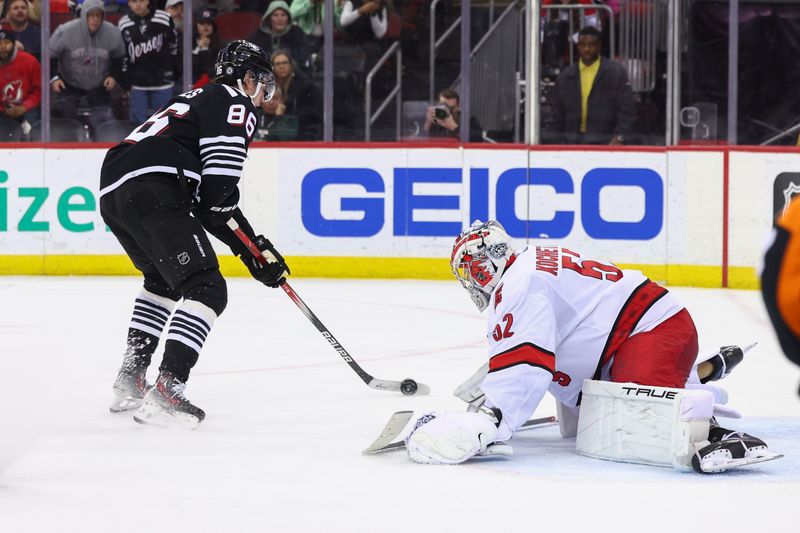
(524, 354)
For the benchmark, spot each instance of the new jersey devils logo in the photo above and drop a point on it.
(12, 92)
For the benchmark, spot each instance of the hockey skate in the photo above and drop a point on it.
(129, 388)
(165, 405)
(730, 449)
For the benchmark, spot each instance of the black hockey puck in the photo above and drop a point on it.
(408, 387)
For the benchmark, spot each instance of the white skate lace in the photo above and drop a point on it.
(741, 436)
(177, 389)
(173, 389)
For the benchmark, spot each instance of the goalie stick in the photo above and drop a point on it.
(398, 421)
(408, 387)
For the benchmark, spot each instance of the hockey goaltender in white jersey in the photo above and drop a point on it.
(557, 319)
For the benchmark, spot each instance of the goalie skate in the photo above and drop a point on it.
(166, 406)
(129, 389)
(731, 449)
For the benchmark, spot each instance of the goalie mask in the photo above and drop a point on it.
(479, 257)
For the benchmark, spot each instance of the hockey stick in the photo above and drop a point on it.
(400, 419)
(409, 387)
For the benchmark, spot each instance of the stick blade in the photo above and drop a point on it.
(749, 347)
(538, 422)
(393, 428)
(399, 420)
(397, 386)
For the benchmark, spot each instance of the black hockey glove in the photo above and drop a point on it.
(271, 273)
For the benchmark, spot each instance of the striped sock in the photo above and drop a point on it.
(187, 333)
(150, 315)
(151, 312)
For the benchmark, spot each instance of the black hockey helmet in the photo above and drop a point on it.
(240, 57)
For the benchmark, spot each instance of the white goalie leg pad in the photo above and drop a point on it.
(450, 438)
(643, 424)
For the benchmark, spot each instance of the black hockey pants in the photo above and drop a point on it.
(150, 216)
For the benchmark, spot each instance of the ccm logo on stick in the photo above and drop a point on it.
(365, 206)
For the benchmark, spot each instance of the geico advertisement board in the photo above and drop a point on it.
(413, 202)
(384, 203)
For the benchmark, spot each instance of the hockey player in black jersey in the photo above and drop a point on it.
(171, 180)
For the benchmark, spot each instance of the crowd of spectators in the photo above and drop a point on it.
(121, 60)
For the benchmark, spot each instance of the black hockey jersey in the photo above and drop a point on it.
(204, 135)
(151, 43)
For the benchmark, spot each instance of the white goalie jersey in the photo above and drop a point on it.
(556, 319)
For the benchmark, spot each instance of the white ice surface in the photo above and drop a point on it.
(287, 420)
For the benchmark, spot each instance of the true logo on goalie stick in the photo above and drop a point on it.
(652, 393)
(183, 258)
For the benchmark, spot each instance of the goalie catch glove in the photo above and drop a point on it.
(271, 273)
(452, 438)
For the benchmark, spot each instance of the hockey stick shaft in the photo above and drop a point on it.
(344, 354)
(372, 382)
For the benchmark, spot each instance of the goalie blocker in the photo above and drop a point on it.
(663, 426)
